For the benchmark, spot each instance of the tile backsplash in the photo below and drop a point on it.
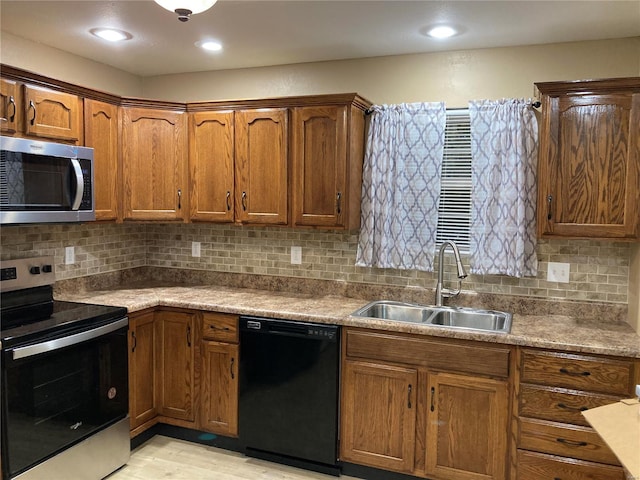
(599, 270)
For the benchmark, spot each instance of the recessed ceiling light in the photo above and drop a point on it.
(111, 34)
(442, 31)
(209, 45)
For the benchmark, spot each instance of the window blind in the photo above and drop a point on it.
(454, 209)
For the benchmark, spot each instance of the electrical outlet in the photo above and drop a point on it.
(558, 272)
(195, 249)
(296, 255)
(69, 255)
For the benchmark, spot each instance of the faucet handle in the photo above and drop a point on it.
(448, 292)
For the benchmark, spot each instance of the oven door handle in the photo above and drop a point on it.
(58, 343)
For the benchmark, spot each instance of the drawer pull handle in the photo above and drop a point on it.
(32, 106)
(574, 374)
(213, 327)
(135, 341)
(576, 409)
(572, 443)
(12, 102)
(233, 361)
(409, 397)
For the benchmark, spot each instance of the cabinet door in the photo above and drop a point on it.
(319, 165)
(220, 388)
(175, 339)
(101, 133)
(142, 361)
(8, 106)
(211, 166)
(154, 164)
(261, 166)
(52, 114)
(378, 415)
(589, 170)
(466, 427)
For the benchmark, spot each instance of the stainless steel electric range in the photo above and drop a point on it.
(64, 399)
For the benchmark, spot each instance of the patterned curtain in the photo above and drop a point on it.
(504, 146)
(401, 186)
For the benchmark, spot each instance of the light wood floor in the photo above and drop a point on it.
(163, 457)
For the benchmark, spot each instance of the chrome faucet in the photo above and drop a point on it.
(442, 293)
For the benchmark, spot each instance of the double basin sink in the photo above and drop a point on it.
(450, 317)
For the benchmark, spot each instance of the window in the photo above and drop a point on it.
(454, 210)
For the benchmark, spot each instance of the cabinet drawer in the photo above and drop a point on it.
(577, 371)
(220, 326)
(539, 466)
(559, 404)
(565, 440)
(434, 354)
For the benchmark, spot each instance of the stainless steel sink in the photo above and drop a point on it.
(472, 319)
(396, 311)
(449, 317)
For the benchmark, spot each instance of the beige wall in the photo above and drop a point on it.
(453, 77)
(54, 63)
(634, 288)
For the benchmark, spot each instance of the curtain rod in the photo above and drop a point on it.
(369, 111)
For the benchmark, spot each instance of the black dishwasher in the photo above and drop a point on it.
(289, 392)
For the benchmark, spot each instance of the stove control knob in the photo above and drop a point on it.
(34, 270)
(47, 268)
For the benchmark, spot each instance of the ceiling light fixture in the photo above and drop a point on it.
(186, 8)
(111, 34)
(210, 45)
(442, 31)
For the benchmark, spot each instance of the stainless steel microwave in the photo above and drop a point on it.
(45, 182)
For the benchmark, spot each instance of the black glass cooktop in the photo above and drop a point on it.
(63, 318)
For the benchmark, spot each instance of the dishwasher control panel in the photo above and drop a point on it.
(287, 327)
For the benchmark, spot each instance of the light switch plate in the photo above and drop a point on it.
(195, 249)
(296, 255)
(69, 255)
(558, 272)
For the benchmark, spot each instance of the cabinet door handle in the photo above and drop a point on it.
(433, 398)
(135, 341)
(179, 199)
(233, 375)
(549, 200)
(228, 202)
(571, 443)
(574, 374)
(574, 409)
(244, 201)
(339, 203)
(33, 119)
(188, 335)
(409, 397)
(12, 102)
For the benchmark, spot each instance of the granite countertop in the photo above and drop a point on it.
(560, 332)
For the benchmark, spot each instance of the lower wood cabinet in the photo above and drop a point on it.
(467, 423)
(175, 342)
(143, 405)
(402, 411)
(553, 439)
(219, 387)
(379, 415)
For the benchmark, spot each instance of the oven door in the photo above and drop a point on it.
(60, 391)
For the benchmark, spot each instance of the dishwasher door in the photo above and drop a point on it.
(289, 390)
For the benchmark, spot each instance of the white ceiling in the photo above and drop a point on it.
(260, 33)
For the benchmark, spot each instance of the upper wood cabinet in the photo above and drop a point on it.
(327, 154)
(9, 112)
(589, 163)
(262, 166)
(154, 164)
(52, 114)
(211, 166)
(101, 129)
